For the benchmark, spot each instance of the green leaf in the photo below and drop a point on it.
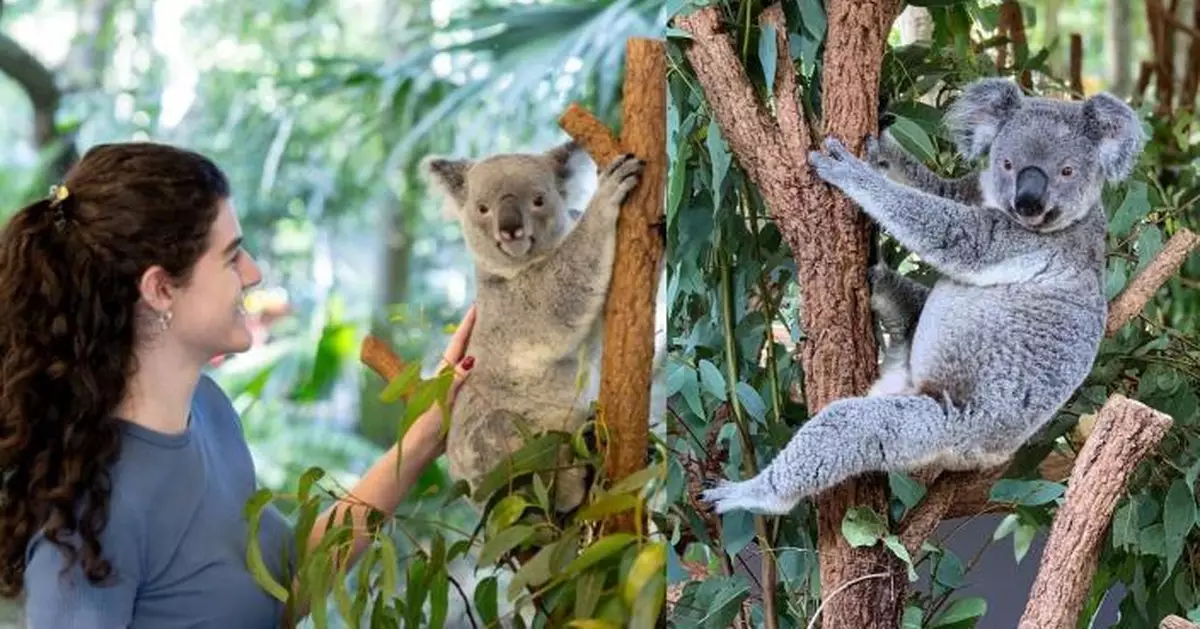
(439, 598)
(254, 558)
(650, 562)
(310, 476)
(909, 491)
(962, 609)
(913, 616)
(1006, 527)
(751, 401)
(911, 136)
(737, 529)
(863, 527)
(949, 571)
(391, 565)
(721, 158)
(486, 600)
(812, 17)
(397, 388)
(1149, 243)
(1179, 516)
(726, 604)
(649, 602)
(897, 547)
(607, 505)
(767, 56)
(589, 587)
(507, 511)
(712, 379)
(637, 481)
(1026, 492)
(538, 454)
(1134, 208)
(503, 542)
(1125, 526)
(600, 550)
(1022, 538)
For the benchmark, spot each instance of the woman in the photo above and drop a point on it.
(124, 470)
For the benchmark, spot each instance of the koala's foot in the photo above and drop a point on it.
(621, 176)
(749, 495)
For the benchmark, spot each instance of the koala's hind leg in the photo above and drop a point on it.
(847, 438)
(897, 303)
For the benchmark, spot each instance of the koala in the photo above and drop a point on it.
(542, 280)
(1010, 328)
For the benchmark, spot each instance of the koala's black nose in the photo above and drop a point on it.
(508, 221)
(1030, 196)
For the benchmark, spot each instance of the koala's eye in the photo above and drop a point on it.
(1007, 165)
(1067, 171)
(483, 209)
(539, 200)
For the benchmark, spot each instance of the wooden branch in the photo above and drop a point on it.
(376, 354)
(1175, 622)
(1076, 66)
(1014, 22)
(629, 309)
(1130, 302)
(1126, 431)
(1145, 73)
(1163, 45)
(1191, 73)
(972, 491)
(591, 134)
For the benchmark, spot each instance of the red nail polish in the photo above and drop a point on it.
(468, 363)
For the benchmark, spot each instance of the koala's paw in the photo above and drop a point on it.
(748, 495)
(838, 166)
(621, 176)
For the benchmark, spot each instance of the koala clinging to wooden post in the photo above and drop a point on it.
(1010, 329)
(542, 280)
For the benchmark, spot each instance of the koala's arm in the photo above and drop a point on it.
(890, 157)
(971, 244)
(581, 266)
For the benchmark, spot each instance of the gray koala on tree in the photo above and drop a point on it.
(541, 280)
(1011, 328)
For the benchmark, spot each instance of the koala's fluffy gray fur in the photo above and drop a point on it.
(1011, 327)
(542, 280)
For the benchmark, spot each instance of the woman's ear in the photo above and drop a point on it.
(156, 289)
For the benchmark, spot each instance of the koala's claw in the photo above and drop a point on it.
(621, 176)
(747, 495)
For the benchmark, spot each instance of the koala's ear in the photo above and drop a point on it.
(560, 158)
(977, 116)
(448, 174)
(1117, 131)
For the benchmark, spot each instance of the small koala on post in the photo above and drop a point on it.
(541, 280)
(985, 358)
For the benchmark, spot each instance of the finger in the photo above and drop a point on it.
(461, 371)
(462, 337)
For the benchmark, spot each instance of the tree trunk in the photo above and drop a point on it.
(1120, 47)
(839, 355)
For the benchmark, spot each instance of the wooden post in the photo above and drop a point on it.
(1076, 68)
(629, 311)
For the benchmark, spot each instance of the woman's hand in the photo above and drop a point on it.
(425, 435)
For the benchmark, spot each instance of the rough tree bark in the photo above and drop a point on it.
(1126, 430)
(829, 239)
(629, 310)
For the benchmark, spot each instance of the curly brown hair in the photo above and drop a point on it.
(69, 275)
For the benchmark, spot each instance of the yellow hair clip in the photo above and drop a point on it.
(58, 194)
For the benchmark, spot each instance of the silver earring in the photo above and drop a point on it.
(164, 319)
